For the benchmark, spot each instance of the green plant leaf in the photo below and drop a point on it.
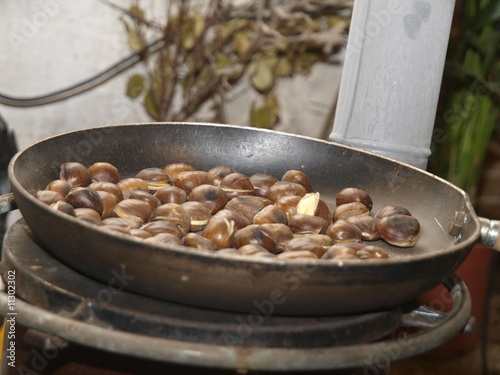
(265, 115)
(136, 11)
(487, 16)
(222, 61)
(150, 105)
(242, 41)
(263, 72)
(135, 86)
(134, 40)
(228, 28)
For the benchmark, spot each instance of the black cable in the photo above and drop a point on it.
(86, 85)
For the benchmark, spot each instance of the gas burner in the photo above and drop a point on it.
(55, 299)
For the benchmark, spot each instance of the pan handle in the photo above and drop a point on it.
(7, 203)
(490, 235)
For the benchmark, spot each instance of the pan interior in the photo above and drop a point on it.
(331, 168)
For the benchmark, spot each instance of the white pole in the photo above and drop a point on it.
(392, 77)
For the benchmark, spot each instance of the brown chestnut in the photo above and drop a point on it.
(108, 187)
(312, 204)
(174, 213)
(349, 195)
(155, 178)
(82, 197)
(239, 220)
(282, 188)
(298, 177)
(400, 230)
(342, 251)
(48, 196)
(236, 184)
(135, 209)
(128, 185)
(171, 194)
(372, 252)
(305, 243)
(299, 254)
(288, 203)
(368, 226)
(147, 197)
(187, 181)
(88, 214)
(173, 169)
(75, 174)
(64, 207)
(161, 226)
(220, 231)
(165, 238)
(247, 205)
(198, 242)
(219, 172)
(281, 233)
(104, 172)
(344, 231)
(210, 195)
(255, 234)
(270, 214)
(62, 187)
(199, 214)
(307, 224)
(261, 183)
(108, 202)
(140, 233)
(391, 211)
(120, 221)
(347, 210)
(254, 250)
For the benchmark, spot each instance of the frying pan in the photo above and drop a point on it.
(245, 284)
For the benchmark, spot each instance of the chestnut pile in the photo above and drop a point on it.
(227, 212)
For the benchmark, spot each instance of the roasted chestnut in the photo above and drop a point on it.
(104, 172)
(174, 213)
(64, 207)
(372, 252)
(220, 231)
(156, 178)
(62, 187)
(391, 211)
(147, 197)
(255, 234)
(236, 184)
(108, 187)
(305, 243)
(299, 254)
(140, 233)
(343, 251)
(231, 251)
(305, 224)
(187, 181)
(344, 231)
(312, 204)
(120, 221)
(247, 205)
(75, 174)
(199, 214)
(261, 183)
(400, 230)
(239, 220)
(171, 194)
(282, 188)
(281, 233)
(210, 195)
(219, 172)
(323, 239)
(48, 196)
(88, 214)
(165, 238)
(128, 185)
(254, 250)
(135, 209)
(270, 214)
(349, 195)
(298, 177)
(288, 203)
(82, 197)
(368, 226)
(347, 210)
(161, 226)
(108, 202)
(198, 242)
(173, 169)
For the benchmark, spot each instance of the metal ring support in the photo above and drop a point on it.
(234, 357)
